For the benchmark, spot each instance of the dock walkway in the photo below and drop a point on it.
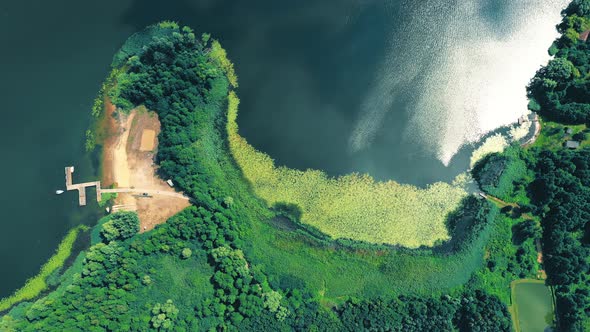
(81, 187)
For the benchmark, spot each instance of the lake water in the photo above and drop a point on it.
(392, 88)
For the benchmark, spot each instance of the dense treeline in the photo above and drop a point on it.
(192, 273)
(560, 91)
(474, 312)
(562, 193)
(561, 190)
(501, 175)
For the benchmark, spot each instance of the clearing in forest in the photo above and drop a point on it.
(129, 163)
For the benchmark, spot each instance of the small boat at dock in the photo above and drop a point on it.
(59, 192)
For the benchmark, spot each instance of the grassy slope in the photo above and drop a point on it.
(185, 282)
(553, 136)
(336, 273)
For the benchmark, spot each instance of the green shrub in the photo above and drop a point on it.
(186, 253)
(121, 226)
(164, 315)
(497, 174)
(90, 141)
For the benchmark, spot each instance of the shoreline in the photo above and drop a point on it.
(107, 129)
(537, 123)
(37, 284)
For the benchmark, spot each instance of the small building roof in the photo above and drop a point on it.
(584, 35)
(572, 144)
(569, 131)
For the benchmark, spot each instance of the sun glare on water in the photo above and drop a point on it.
(463, 74)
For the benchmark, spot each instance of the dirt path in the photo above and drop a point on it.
(502, 204)
(538, 126)
(147, 192)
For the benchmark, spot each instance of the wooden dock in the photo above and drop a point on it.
(81, 187)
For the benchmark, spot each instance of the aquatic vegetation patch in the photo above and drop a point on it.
(353, 206)
(493, 144)
(34, 286)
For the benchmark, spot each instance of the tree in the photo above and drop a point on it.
(164, 315)
(578, 7)
(186, 253)
(481, 313)
(558, 70)
(121, 226)
(525, 230)
(146, 280)
(272, 300)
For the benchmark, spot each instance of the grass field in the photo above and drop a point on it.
(532, 305)
(553, 135)
(334, 274)
(185, 282)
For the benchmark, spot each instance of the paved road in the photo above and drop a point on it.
(147, 191)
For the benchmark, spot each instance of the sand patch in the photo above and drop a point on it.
(110, 128)
(129, 163)
(148, 140)
(120, 163)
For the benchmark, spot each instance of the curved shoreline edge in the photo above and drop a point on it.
(353, 206)
(34, 286)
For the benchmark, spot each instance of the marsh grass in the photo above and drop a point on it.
(353, 206)
(37, 284)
